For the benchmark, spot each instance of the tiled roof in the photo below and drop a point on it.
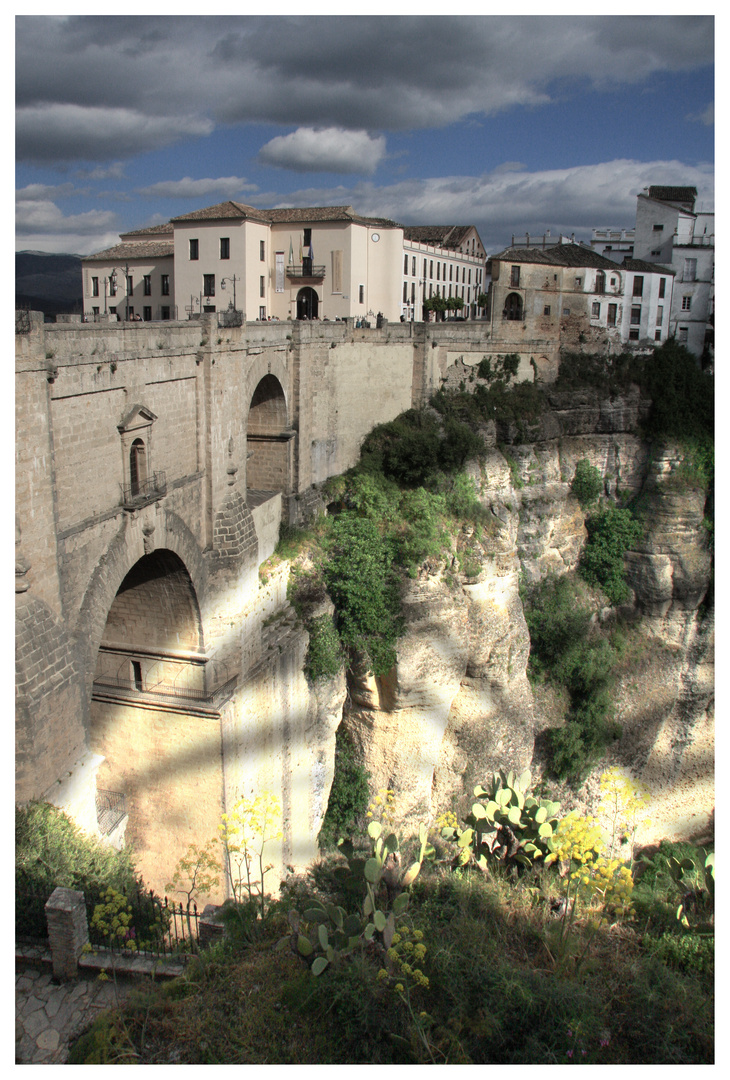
(151, 230)
(293, 214)
(557, 255)
(673, 194)
(446, 236)
(228, 209)
(139, 249)
(645, 267)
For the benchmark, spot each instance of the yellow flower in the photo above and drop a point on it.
(399, 988)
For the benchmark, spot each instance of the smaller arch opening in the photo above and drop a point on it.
(513, 309)
(137, 466)
(307, 303)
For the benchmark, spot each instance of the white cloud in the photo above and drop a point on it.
(187, 188)
(502, 203)
(41, 216)
(46, 133)
(325, 150)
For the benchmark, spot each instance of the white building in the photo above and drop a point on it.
(613, 244)
(648, 299)
(671, 233)
(442, 260)
(287, 263)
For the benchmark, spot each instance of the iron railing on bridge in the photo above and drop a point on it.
(144, 491)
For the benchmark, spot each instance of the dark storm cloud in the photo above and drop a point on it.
(157, 79)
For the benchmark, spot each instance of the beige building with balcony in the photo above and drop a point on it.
(286, 263)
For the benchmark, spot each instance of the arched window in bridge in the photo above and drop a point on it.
(513, 308)
(138, 467)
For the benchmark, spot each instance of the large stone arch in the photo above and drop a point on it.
(154, 719)
(268, 438)
(137, 536)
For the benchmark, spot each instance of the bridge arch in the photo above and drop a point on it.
(154, 718)
(268, 438)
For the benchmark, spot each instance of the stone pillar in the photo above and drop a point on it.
(68, 931)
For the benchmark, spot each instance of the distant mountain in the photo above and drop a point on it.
(48, 283)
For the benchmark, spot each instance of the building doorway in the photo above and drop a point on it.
(307, 303)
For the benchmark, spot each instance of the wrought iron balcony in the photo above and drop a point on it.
(306, 269)
(144, 491)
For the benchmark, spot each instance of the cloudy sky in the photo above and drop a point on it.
(514, 124)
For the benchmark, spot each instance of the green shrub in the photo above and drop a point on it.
(405, 449)
(50, 851)
(587, 483)
(349, 794)
(324, 652)
(360, 579)
(611, 532)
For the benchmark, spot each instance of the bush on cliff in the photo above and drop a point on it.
(611, 532)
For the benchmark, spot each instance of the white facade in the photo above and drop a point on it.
(648, 301)
(671, 233)
(613, 244)
(312, 263)
(454, 268)
(133, 280)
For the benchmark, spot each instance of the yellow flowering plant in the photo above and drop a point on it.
(245, 831)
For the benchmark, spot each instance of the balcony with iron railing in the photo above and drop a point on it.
(143, 492)
(306, 270)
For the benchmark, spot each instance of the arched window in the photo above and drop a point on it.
(513, 308)
(137, 467)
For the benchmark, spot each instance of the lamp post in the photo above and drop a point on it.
(234, 279)
(113, 284)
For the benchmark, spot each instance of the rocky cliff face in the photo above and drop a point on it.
(459, 705)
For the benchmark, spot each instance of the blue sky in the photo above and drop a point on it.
(513, 124)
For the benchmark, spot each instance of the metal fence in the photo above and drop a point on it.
(111, 807)
(156, 926)
(144, 491)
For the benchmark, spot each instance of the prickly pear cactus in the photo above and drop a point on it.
(506, 823)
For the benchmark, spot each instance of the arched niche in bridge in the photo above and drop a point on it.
(268, 440)
(154, 717)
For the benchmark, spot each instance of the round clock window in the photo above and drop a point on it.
(375, 237)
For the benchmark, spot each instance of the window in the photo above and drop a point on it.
(405, 264)
(612, 311)
(130, 313)
(113, 285)
(193, 250)
(657, 251)
(209, 284)
(137, 466)
(690, 270)
(307, 237)
(469, 280)
(578, 282)
(635, 315)
(405, 291)
(413, 266)
(95, 311)
(165, 284)
(130, 286)
(262, 286)
(546, 310)
(662, 287)
(147, 314)
(361, 294)
(634, 335)
(600, 282)
(657, 335)
(147, 279)
(638, 286)
(658, 228)
(613, 282)
(165, 313)
(451, 271)
(659, 315)
(682, 335)
(262, 314)
(514, 278)
(424, 269)
(137, 675)
(430, 268)
(225, 247)
(413, 292)
(438, 271)
(596, 310)
(262, 251)
(686, 303)
(95, 286)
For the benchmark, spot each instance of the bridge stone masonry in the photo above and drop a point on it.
(154, 465)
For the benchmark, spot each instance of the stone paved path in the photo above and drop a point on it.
(49, 1015)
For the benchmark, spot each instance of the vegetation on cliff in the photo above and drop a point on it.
(587, 965)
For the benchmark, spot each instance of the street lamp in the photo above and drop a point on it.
(113, 284)
(234, 279)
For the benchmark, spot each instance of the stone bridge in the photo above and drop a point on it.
(154, 465)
